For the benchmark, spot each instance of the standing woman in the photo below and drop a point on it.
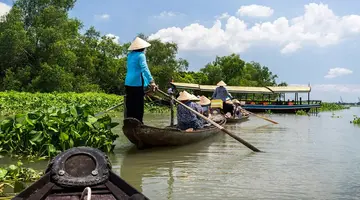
(137, 78)
(222, 93)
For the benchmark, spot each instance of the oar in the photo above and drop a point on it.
(214, 123)
(97, 114)
(267, 119)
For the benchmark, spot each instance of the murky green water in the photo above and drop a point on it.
(316, 157)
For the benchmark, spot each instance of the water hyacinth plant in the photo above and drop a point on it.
(15, 177)
(46, 132)
(356, 120)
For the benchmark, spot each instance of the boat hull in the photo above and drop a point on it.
(233, 120)
(144, 136)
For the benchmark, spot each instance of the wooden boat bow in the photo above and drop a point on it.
(69, 173)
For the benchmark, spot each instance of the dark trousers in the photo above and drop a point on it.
(135, 102)
(228, 108)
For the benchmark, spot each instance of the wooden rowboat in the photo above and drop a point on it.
(237, 120)
(144, 136)
(80, 173)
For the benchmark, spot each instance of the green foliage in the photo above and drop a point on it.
(331, 107)
(237, 72)
(46, 132)
(42, 49)
(15, 176)
(16, 102)
(356, 120)
(301, 112)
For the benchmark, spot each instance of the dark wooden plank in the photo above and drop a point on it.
(42, 193)
(117, 192)
(124, 186)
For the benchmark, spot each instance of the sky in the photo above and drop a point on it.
(301, 41)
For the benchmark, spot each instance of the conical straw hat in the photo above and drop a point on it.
(184, 96)
(194, 98)
(204, 101)
(138, 43)
(236, 101)
(221, 83)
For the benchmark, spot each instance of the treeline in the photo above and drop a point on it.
(42, 49)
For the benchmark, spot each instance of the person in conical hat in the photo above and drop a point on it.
(222, 93)
(187, 120)
(205, 104)
(237, 109)
(137, 78)
(221, 83)
(204, 101)
(138, 44)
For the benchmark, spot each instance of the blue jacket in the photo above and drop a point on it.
(221, 93)
(135, 68)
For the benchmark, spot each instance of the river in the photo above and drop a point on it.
(305, 157)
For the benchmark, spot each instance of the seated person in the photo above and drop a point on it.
(187, 120)
(237, 109)
(229, 108)
(205, 106)
(196, 105)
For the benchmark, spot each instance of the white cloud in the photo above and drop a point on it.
(318, 26)
(102, 17)
(255, 11)
(336, 72)
(168, 14)
(4, 9)
(291, 47)
(115, 38)
(223, 16)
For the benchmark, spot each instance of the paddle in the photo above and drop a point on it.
(109, 109)
(267, 119)
(213, 123)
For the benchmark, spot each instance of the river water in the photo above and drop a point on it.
(305, 157)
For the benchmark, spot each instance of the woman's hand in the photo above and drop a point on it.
(153, 86)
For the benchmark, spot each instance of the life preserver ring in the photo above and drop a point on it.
(80, 166)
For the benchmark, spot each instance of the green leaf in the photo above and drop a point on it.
(113, 124)
(89, 124)
(71, 143)
(38, 137)
(73, 111)
(13, 167)
(64, 136)
(92, 119)
(3, 173)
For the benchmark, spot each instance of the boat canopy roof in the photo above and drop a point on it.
(289, 89)
(243, 89)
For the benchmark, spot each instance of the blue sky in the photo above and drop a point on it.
(301, 41)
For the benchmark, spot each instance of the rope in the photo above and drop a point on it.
(88, 189)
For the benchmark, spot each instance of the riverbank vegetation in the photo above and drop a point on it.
(14, 102)
(15, 176)
(331, 107)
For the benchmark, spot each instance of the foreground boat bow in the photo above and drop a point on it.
(78, 168)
